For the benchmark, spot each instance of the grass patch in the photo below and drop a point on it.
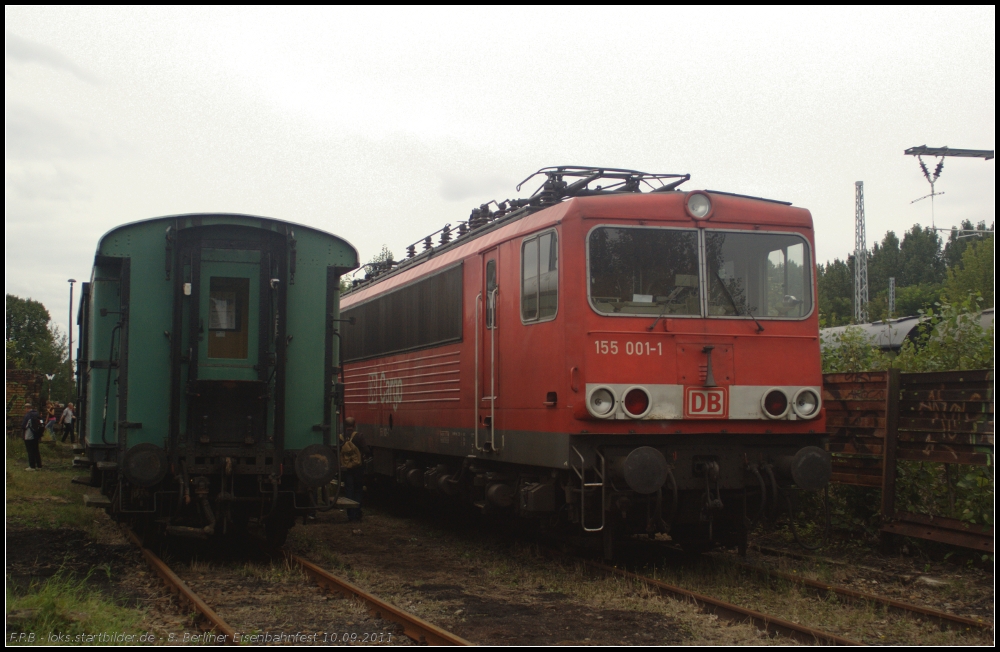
(45, 498)
(66, 607)
(277, 572)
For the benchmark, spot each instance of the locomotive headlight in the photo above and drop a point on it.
(806, 403)
(699, 206)
(601, 402)
(636, 402)
(774, 403)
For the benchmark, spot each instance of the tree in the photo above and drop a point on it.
(381, 261)
(836, 293)
(885, 262)
(31, 343)
(974, 274)
(958, 243)
(920, 257)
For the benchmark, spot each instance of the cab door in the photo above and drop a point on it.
(489, 344)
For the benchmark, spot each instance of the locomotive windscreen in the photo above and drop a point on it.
(655, 271)
(641, 271)
(426, 313)
(765, 274)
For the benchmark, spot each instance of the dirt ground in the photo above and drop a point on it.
(495, 590)
(483, 579)
(493, 586)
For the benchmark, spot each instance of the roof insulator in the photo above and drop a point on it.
(411, 251)
(428, 243)
(446, 234)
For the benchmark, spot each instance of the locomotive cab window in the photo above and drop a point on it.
(766, 275)
(227, 317)
(644, 271)
(539, 277)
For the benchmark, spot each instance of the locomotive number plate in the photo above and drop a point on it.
(706, 403)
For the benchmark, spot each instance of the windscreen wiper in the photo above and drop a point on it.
(666, 304)
(746, 306)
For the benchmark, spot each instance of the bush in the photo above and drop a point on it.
(850, 351)
(951, 339)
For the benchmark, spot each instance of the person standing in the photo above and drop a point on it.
(67, 420)
(33, 429)
(353, 450)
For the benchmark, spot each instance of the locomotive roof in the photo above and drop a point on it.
(751, 211)
(227, 218)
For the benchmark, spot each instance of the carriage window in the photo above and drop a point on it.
(636, 271)
(759, 274)
(539, 277)
(228, 301)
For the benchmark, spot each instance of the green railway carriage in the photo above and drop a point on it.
(207, 374)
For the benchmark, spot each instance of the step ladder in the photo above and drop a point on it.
(581, 472)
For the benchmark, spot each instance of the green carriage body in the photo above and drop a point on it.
(207, 363)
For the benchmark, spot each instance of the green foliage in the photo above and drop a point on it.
(974, 273)
(850, 351)
(951, 339)
(30, 343)
(836, 293)
(910, 300)
(33, 343)
(380, 259)
(855, 509)
(959, 242)
(68, 606)
(957, 491)
(920, 257)
(924, 273)
(885, 262)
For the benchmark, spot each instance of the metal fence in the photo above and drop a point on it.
(877, 419)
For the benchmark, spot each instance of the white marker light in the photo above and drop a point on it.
(699, 205)
(601, 402)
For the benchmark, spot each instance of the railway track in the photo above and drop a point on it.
(728, 611)
(211, 620)
(941, 617)
(415, 628)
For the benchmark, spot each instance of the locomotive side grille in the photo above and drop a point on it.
(424, 314)
(431, 378)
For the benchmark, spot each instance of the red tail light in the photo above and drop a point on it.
(636, 402)
(776, 403)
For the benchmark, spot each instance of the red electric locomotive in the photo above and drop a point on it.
(626, 357)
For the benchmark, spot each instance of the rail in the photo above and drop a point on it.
(413, 626)
(940, 617)
(723, 609)
(177, 586)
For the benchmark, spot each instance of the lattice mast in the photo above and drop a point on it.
(860, 256)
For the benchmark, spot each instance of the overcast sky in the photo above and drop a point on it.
(381, 125)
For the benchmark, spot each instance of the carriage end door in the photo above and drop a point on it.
(229, 322)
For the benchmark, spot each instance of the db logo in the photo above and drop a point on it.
(706, 403)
